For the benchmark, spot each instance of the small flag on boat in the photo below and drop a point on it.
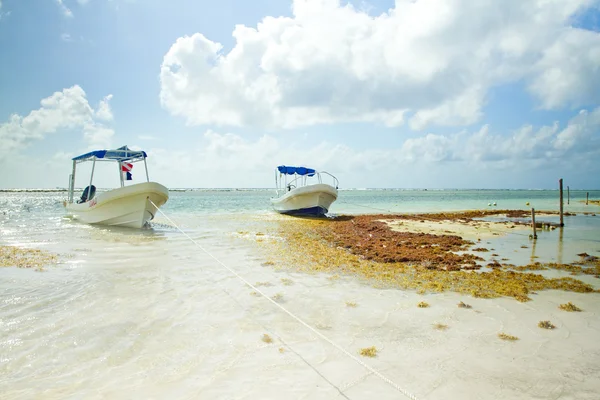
(126, 168)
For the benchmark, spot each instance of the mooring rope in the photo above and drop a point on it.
(287, 345)
(298, 319)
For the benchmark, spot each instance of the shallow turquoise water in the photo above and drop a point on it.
(377, 201)
(39, 217)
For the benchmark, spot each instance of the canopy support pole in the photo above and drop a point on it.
(121, 173)
(146, 167)
(72, 182)
(91, 178)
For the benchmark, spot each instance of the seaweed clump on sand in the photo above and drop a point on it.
(366, 247)
(546, 325)
(12, 256)
(463, 305)
(369, 351)
(505, 336)
(266, 338)
(569, 307)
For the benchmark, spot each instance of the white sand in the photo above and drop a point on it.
(472, 230)
(130, 317)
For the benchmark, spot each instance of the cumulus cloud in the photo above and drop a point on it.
(425, 61)
(104, 112)
(226, 159)
(97, 135)
(568, 72)
(578, 141)
(67, 109)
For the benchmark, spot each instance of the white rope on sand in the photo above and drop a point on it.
(298, 319)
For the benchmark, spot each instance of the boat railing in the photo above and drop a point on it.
(301, 180)
(335, 180)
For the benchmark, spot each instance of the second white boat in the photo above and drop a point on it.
(301, 197)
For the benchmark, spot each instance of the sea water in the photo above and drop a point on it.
(149, 314)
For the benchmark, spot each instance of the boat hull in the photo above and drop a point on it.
(311, 200)
(129, 206)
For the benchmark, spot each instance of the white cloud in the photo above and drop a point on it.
(331, 63)
(580, 133)
(65, 37)
(104, 111)
(577, 141)
(229, 160)
(67, 109)
(468, 158)
(568, 71)
(97, 135)
(465, 109)
(64, 9)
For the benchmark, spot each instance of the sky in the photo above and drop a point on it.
(398, 94)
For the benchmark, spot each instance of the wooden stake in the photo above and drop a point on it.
(533, 223)
(568, 196)
(560, 187)
(587, 197)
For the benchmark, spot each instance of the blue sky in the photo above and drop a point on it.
(432, 93)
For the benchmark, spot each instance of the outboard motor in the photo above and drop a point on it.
(88, 194)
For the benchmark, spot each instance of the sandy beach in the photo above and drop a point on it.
(450, 345)
(151, 315)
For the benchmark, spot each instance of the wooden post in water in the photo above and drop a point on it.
(560, 188)
(587, 197)
(533, 223)
(568, 195)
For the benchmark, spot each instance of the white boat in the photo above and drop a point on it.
(129, 206)
(305, 194)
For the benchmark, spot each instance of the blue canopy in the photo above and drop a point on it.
(121, 154)
(296, 170)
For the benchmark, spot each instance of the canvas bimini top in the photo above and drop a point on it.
(123, 153)
(296, 170)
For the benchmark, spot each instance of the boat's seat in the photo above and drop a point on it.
(84, 195)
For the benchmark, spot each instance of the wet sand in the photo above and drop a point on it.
(443, 329)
